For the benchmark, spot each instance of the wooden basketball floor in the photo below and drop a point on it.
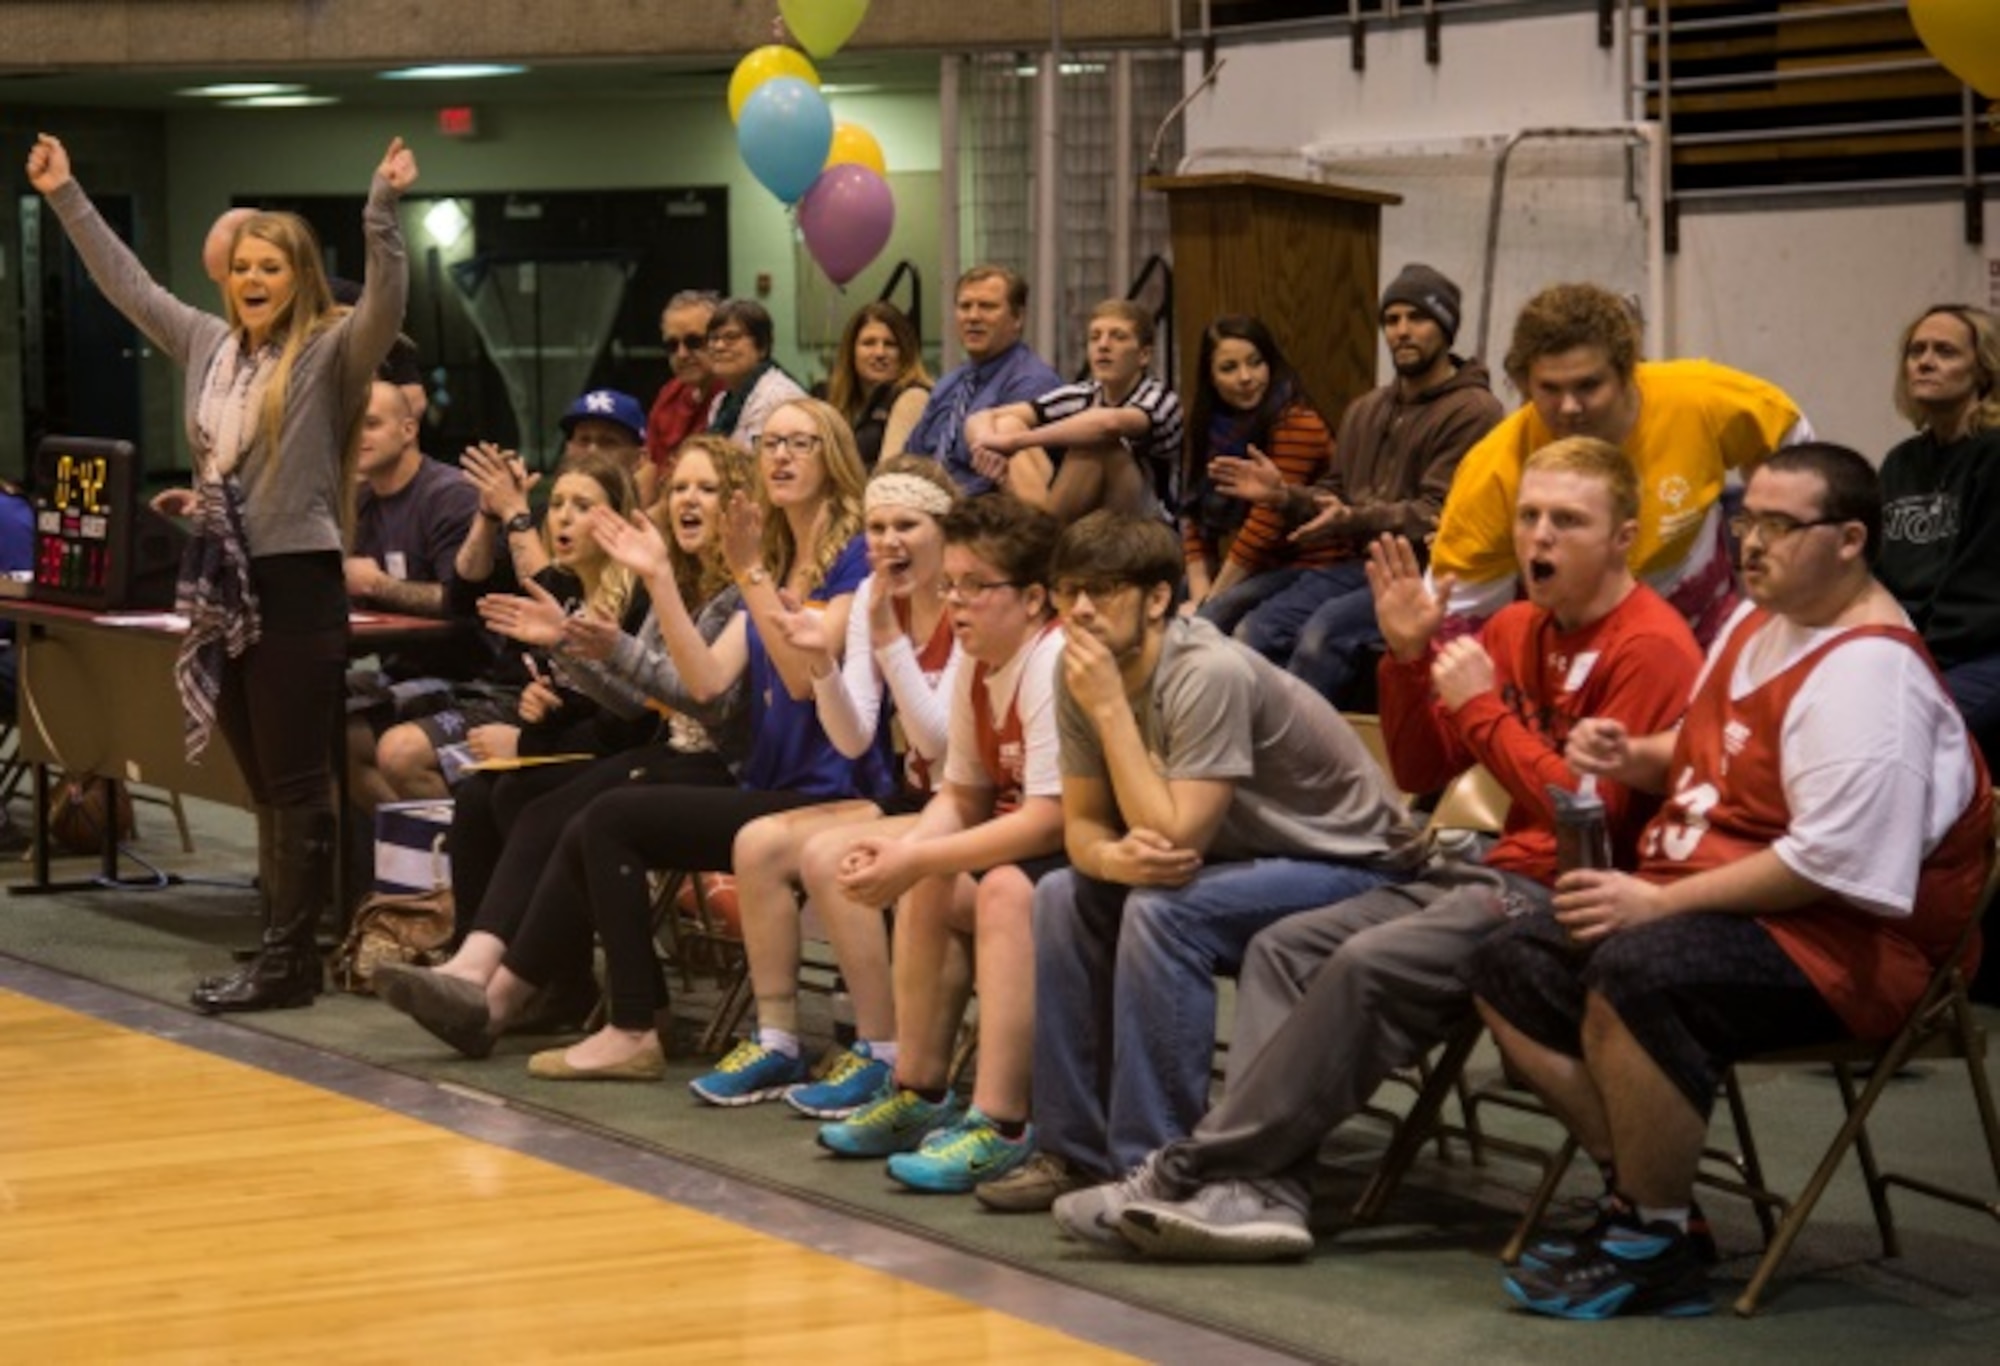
(159, 1202)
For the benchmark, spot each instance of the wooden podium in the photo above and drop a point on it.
(1303, 257)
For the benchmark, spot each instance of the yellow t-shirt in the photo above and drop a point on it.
(1697, 420)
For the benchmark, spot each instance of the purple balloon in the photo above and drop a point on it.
(846, 217)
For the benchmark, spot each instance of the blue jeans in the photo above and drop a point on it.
(1339, 627)
(1125, 996)
(1228, 608)
(1975, 687)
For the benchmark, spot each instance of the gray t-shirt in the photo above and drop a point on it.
(1306, 787)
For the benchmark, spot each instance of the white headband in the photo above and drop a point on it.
(906, 490)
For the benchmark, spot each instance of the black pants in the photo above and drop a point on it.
(506, 827)
(283, 700)
(598, 876)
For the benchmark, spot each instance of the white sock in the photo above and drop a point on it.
(1677, 1216)
(882, 1050)
(779, 1041)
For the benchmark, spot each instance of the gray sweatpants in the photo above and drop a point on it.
(1329, 1003)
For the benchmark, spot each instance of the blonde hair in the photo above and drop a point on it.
(846, 479)
(607, 587)
(304, 316)
(1985, 415)
(1593, 459)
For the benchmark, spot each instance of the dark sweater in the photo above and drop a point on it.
(1941, 542)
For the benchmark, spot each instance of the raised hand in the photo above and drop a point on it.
(503, 482)
(633, 542)
(1406, 608)
(399, 166)
(533, 618)
(742, 534)
(1254, 477)
(803, 628)
(48, 165)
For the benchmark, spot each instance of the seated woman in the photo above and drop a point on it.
(1112, 441)
(899, 649)
(1239, 558)
(879, 382)
(802, 537)
(749, 384)
(548, 718)
(1941, 506)
(963, 877)
(506, 828)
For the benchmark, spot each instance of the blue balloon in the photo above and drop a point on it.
(784, 134)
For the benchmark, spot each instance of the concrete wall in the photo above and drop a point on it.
(1809, 294)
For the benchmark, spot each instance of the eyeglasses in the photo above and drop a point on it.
(1097, 590)
(693, 341)
(728, 336)
(1773, 527)
(970, 590)
(798, 445)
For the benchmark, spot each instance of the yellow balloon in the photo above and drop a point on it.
(766, 63)
(1965, 36)
(853, 144)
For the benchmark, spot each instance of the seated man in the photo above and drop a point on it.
(1112, 441)
(1685, 424)
(1206, 794)
(991, 305)
(412, 513)
(1825, 835)
(1331, 1001)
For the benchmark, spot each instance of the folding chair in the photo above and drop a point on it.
(1476, 803)
(1941, 1025)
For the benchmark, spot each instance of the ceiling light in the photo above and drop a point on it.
(281, 102)
(461, 71)
(240, 90)
(1068, 69)
(446, 222)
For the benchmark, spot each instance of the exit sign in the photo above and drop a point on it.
(458, 121)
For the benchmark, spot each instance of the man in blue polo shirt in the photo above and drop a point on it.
(999, 369)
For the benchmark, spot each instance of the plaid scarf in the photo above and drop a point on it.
(215, 595)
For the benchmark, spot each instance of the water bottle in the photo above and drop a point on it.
(1582, 838)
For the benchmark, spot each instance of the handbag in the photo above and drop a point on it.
(77, 814)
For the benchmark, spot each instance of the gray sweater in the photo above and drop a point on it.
(293, 498)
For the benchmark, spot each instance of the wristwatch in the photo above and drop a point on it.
(755, 575)
(520, 521)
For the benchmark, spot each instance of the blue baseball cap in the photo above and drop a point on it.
(607, 405)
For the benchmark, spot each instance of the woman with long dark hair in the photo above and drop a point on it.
(879, 383)
(1248, 398)
(274, 388)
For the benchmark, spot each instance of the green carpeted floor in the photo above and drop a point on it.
(1422, 1287)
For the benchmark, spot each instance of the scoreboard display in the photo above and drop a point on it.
(96, 544)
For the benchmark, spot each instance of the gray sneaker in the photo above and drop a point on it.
(1033, 1186)
(1092, 1214)
(1224, 1221)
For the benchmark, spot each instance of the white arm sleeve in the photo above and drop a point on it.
(850, 698)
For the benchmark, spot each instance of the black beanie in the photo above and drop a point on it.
(1429, 292)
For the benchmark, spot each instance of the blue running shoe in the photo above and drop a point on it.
(951, 1161)
(856, 1078)
(1557, 1246)
(1626, 1269)
(749, 1074)
(896, 1123)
